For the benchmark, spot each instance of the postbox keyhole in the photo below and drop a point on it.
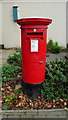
(34, 29)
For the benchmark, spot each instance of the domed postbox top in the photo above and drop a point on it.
(34, 21)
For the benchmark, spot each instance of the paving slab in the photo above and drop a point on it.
(55, 56)
(5, 53)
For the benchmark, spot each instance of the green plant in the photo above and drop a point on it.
(10, 98)
(8, 72)
(50, 44)
(67, 47)
(15, 59)
(54, 47)
(6, 107)
(18, 91)
(18, 50)
(55, 84)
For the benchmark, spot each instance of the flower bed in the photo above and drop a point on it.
(53, 93)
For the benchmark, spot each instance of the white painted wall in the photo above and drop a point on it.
(67, 22)
(0, 22)
(11, 31)
(54, 10)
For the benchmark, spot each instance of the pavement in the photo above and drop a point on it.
(4, 55)
(55, 56)
(50, 57)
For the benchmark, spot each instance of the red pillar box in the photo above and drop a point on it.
(33, 44)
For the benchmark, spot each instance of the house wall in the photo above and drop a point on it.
(56, 11)
(67, 22)
(0, 23)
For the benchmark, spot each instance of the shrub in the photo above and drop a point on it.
(55, 84)
(15, 59)
(50, 44)
(18, 50)
(8, 72)
(6, 107)
(54, 47)
(67, 47)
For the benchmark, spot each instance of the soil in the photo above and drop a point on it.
(22, 101)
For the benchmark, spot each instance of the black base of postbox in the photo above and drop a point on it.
(32, 90)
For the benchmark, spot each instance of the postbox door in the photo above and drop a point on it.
(34, 48)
